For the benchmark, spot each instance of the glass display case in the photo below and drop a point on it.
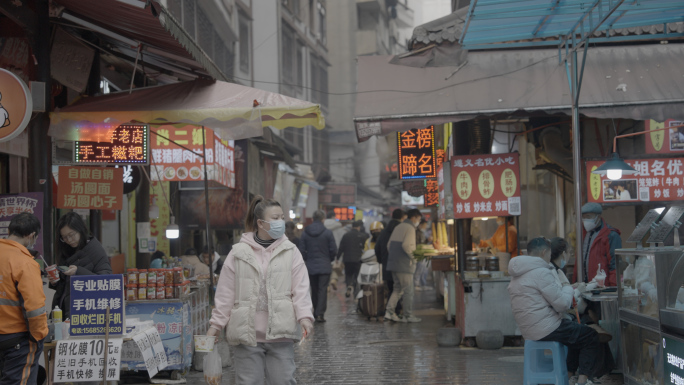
(638, 285)
(672, 303)
(643, 355)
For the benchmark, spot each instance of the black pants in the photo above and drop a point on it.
(319, 293)
(19, 363)
(351, 273)
(583, 345)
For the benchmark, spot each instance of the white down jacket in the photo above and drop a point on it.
(537, 298)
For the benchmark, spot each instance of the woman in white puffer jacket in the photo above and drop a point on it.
(539, 301)
(263, 298)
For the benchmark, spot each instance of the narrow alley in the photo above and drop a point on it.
(348, 349)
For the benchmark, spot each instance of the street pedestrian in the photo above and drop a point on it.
(402, 264)
(263, 298)
(157, 260)
(290, 229)
(82, 253)
(420, 277)
(190, 258)
(351, 250)
(540, 303)
(375, 229)
(382, 252)
(215, 260)
(24, 318)
(337, 228)
(318, 248)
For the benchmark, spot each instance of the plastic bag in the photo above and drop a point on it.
(600, 277)
(213, 372)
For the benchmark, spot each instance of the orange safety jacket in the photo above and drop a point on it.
(22, 300)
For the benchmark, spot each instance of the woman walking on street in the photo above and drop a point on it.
(263, 298)
(82, 253)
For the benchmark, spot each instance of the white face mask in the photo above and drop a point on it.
(590, 224)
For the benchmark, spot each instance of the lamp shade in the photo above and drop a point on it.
(614, 168)
(172, 230)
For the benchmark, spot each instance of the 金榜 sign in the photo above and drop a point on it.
(486, 185)
(416, 150)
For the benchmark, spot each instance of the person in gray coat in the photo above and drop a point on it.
(318, 249)
(540, 299)
(402, 264)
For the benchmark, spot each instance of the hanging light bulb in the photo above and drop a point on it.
(614, 174)
(154, 209)
(172, 230)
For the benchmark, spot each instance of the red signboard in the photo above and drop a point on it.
(666, 141)
(123, 144)
(416, 150)
(486, 185)
(173, 163)
(432, 194)
(338, 195)
(345, 213)
(95, 188)
(657, 180)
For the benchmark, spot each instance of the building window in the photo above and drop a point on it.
(321, 23)
(205, 31)
(299, 63)
(189, 17)
(319, 81)
(289, 56)
(176, 9)
(244, 44)
(228, 60)
(292, 6)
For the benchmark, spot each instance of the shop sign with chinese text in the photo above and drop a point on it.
(416, 150)
(174, 163)
(338, 194)
(91, 295)
(486, 185)
(13, 204)
(95, 188)
(665, 141)
(432, 193)
(83, 360)
(657, 180)
(673, 354)
(123, 144)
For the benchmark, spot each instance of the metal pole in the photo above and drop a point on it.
(577, 164)
(206, 221)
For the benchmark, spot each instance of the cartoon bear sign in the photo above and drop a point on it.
(16, 105)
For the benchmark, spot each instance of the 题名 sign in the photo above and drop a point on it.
(91, 295)
(486, 185)
(416, 150)
(124, 144)
(656, 180)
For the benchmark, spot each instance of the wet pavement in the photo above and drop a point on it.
(349, 349)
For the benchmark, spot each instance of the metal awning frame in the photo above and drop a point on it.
(601, 16)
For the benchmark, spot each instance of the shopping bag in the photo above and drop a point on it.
(213, 372)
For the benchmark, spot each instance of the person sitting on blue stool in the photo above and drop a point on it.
(540, 300)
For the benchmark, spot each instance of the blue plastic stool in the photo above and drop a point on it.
(541, 368)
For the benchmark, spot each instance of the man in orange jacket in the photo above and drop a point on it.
(22, 303)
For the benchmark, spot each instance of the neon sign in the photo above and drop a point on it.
(416, 150)
(124, 144)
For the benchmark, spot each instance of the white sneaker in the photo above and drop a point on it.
(418, 288)
(412, 319)
(572, 380)
(392, 317)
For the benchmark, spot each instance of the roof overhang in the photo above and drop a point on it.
(569, 24)
(637, 82)
(146, 25)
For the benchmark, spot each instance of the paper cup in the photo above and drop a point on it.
(204, 344)
(53, 273)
